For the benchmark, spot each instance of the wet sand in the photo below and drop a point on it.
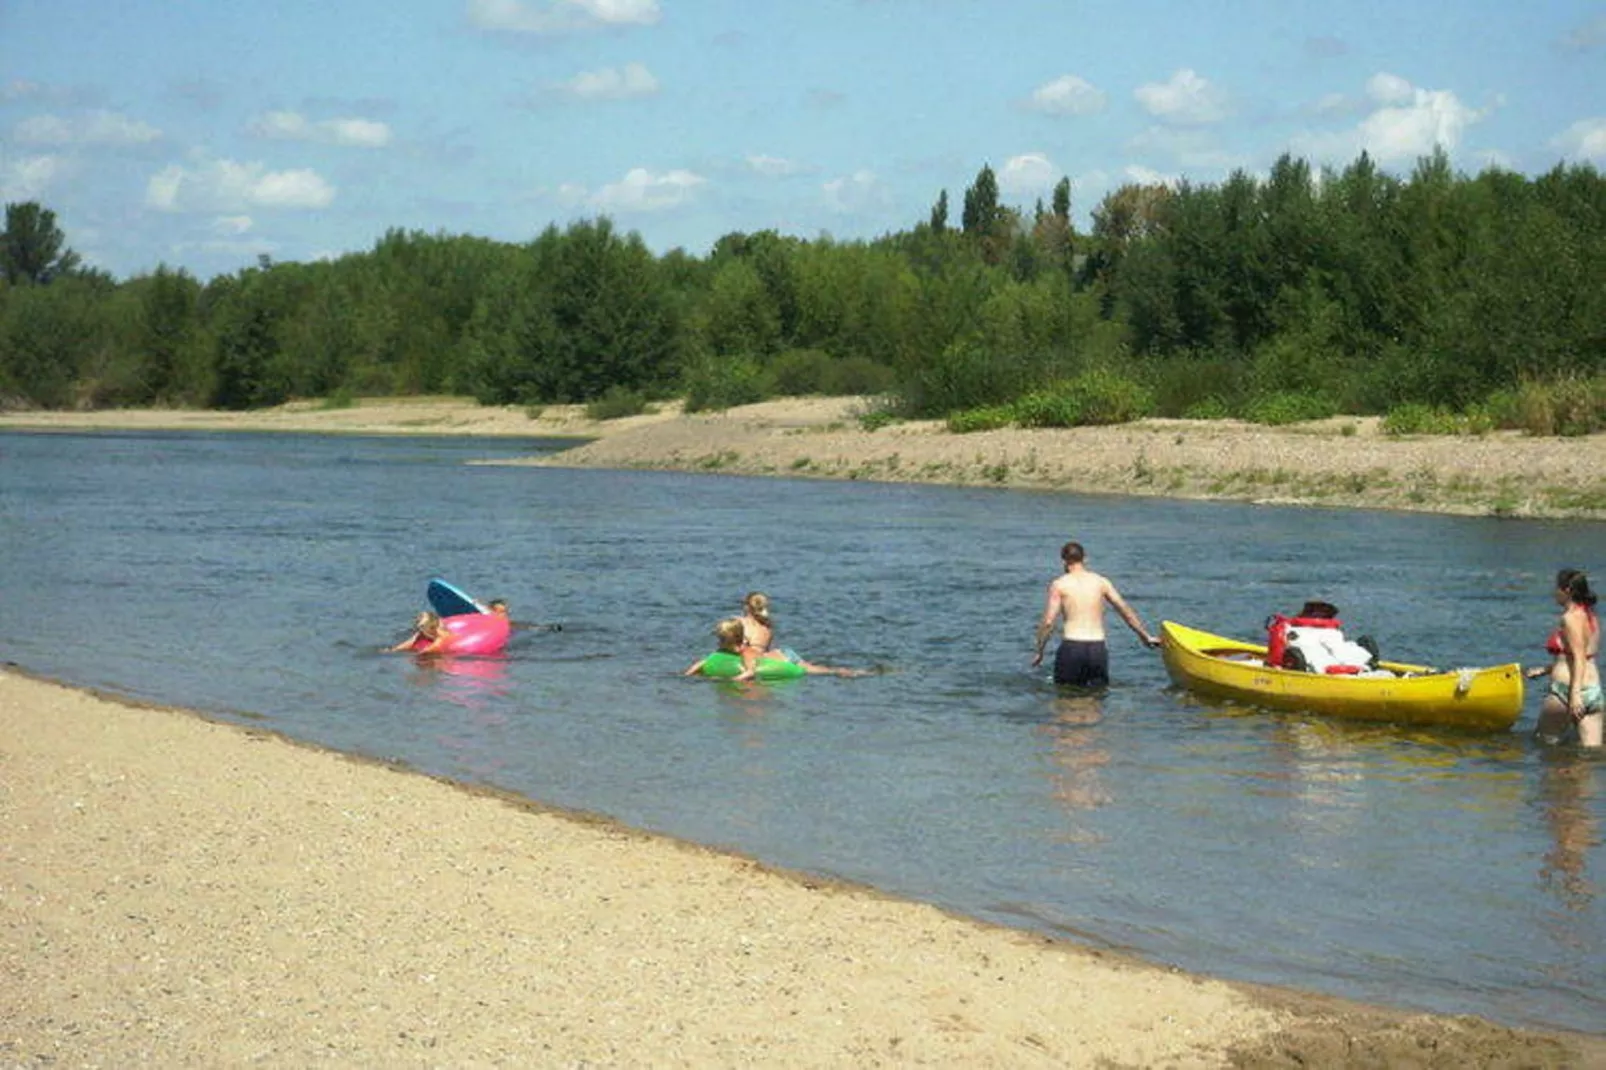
(1344, 462)
(178, 892)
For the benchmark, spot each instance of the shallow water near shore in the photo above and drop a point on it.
(255, 576)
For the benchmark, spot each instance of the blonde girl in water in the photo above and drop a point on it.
(1575, 696)
(427, 628)
(758, 633)
(758, 636)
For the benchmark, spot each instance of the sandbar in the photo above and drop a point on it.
(1344, 462)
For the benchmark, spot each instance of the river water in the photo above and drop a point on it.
(256, 576)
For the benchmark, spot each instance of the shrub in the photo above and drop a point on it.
(1045, 408)
(876, 419)
(1500, 408)
(803, 371)
(798, 372)
(1183, 384)
(1570, 405)
(962, 376)
(1289, 407)
(986, 418)
(617, 401)
(1211, 408)
(860, 375)
(1106, 397)
(1426, 420)
(1414, 418)
(723, 383)
(1095, 397)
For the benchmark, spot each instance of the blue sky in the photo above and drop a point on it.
(204, 133)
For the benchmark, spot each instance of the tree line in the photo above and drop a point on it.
(1290, 296)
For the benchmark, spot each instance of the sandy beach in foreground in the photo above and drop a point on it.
(1345, 461)
(179, 892)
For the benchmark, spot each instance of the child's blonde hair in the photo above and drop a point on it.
(758, 604)
(730, 634)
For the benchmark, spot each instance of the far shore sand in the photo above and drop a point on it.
(178, 892)
(1345, 461)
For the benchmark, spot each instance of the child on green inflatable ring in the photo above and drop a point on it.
(735, 661)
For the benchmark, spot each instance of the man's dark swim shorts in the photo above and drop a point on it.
(1082, 663)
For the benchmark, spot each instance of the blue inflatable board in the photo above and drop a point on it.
(448, 601)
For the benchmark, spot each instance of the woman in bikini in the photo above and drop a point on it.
(732, 638)
(758, 637)
(1575, 697)
(758, 632)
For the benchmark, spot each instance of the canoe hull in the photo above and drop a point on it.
(1485, 700)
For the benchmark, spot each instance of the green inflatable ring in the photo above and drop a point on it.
(723, 665)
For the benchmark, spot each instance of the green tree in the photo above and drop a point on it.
(585, 310)
(32, 247)
(47, 336)
(988, 224)
(166, 335)
(980, 215)
(1062, 201)
(738, 314)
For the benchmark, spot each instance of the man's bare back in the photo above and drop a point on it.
(1077, 599)
(1081, 595)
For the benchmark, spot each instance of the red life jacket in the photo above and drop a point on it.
(1277, 627)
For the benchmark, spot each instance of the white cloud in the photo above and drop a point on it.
(1186, 99)
(291, 126)
(1413, 121)
(639, 191)
(231, 226)
(611, 83)
(1405, 122)
(1148, 176)
(1585, 139)
(27, 178)
(772, 166)
(559, 16)
(859, 192)
(1067, 95)
(1027, 174)
(91, 128)
(1385, 88)
(228, 186)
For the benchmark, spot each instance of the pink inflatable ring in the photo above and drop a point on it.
(472, 633)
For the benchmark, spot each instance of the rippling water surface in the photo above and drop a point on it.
(255, 577)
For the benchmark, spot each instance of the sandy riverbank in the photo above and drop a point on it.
(1339, 462)
(175, 892)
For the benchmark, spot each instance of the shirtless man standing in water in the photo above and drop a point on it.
(1079, 596)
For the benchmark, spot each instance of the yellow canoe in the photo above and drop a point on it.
(1477, 699)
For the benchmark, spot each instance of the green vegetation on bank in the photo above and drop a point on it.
(1444, 302)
